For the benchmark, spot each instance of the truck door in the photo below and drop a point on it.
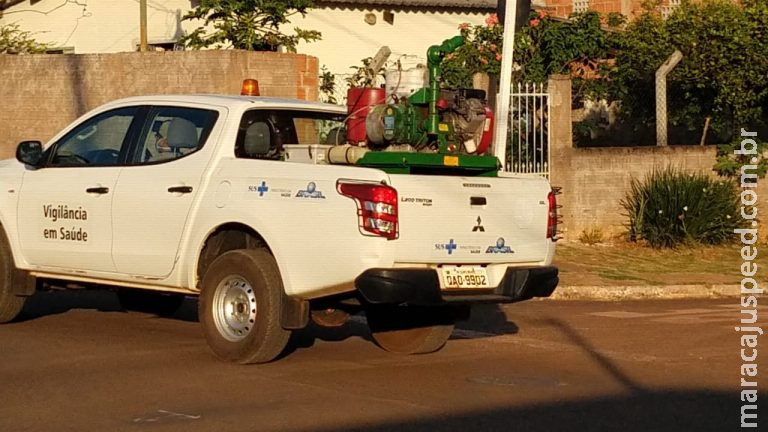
(65, 206)
(155, 191)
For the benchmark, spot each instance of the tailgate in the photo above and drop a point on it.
(471, 220)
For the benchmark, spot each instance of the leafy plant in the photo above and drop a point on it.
(722, 74)
(671, 207)
(327, 86)
(591, 236)
(579, 48)
(14, 40)
(729, 164)
(481, 52)
(364, 75)
(252, 25)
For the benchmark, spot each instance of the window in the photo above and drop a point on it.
(580, 6)
(263, 133)
(60, 50)
(667, 10)
(174, 132)
(163, 45)
(96, 142)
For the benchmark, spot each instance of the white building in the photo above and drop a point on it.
(351, 29)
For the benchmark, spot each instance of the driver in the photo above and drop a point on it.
(161, 143)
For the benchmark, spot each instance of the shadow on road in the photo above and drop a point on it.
(45, 303)
(696, 410)
(486, 320)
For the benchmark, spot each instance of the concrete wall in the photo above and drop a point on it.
(41, 94)
(595, 180)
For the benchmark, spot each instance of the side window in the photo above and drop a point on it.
(96, 142)
(255, 137)
(263, 133)
(174, 132)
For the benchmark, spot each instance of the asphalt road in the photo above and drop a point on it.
(77, 362)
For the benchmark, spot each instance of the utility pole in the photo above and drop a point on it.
(143, 26)
(661, 96)
(505, 92)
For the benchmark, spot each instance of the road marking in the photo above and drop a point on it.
(166, 415)
(721, 313)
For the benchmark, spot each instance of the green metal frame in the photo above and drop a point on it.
(431, 163)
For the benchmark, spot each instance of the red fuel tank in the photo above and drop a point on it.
(360, 101)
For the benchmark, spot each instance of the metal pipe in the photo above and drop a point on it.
(435, 55)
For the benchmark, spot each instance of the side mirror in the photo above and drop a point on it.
(30, 153)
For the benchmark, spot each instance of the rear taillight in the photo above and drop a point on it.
(552, 217)
(376, 207)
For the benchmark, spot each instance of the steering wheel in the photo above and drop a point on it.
(105, 156)
(77, 157)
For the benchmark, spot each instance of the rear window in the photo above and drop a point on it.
(263, 133)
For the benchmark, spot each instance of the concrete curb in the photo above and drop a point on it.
(637, 292)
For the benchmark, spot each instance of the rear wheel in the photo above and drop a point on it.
(410, 330)
(10, 304)
(239, 307)
(159, 303)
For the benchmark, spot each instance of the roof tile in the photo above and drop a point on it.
(469, 4)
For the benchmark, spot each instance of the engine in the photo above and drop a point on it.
(426, 129)
(469, 117)
(465, 121)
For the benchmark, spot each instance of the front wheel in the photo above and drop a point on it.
(410, 330)
(10, 304)
(240, 304)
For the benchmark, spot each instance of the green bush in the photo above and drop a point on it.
(671, 207)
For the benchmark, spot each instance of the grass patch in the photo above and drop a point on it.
(631, 264)
(618, 275)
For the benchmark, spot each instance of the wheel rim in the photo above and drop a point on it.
(234, 308)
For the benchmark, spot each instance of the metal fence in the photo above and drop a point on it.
(528, 136)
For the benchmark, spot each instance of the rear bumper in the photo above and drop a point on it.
(421, 287)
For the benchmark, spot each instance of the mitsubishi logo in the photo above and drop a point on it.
(479, 227)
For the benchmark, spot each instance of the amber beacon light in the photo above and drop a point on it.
(250, 88)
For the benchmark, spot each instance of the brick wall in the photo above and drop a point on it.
(563, 8)
(595, 180)
(41, 94)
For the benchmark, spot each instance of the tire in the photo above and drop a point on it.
(239, 307)
(409, 330)
(159, 303)
(10, 304)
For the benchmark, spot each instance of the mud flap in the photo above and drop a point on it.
(22, 283)
(294, 314)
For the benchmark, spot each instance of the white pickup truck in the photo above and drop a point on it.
(164, 197)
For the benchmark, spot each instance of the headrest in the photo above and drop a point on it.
(257, 140)
(182, 133)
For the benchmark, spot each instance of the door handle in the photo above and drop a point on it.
(477, 201)
(180, 189)
(101, 190)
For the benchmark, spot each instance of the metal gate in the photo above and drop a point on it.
(528, 136)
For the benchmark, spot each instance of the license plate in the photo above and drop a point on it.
(464, 277)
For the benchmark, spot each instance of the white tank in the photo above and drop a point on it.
(404, 82)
